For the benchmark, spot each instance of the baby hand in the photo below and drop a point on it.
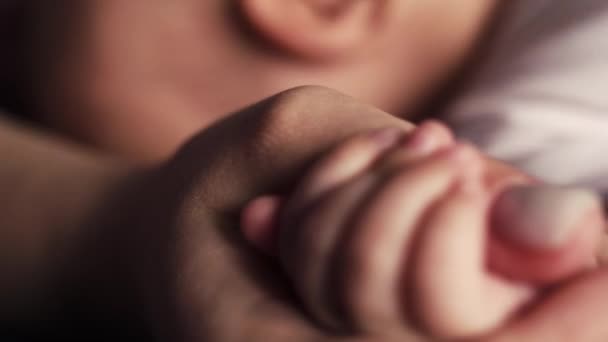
(382, 233)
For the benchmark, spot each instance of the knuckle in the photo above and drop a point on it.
(296, 109)
(286, 115)
(287, 107)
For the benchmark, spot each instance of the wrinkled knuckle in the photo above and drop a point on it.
(293, 107)
(281, 115)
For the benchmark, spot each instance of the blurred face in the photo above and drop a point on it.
(166, 68)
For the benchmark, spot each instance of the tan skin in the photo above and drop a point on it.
(167, 69)
(274, 135)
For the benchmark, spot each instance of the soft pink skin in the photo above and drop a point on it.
(549, 266)
(486, 296)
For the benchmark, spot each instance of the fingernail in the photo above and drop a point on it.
(542, 217)
(387, 137)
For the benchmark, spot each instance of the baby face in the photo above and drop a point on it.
(176, 66)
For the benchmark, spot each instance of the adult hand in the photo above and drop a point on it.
(199, 280)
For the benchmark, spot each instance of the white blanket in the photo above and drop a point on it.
(539, 99)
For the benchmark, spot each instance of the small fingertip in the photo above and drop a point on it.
(429, 137)
(259, 223)
(421, 142)
(439, 130)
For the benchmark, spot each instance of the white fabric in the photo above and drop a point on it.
(539, 99)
